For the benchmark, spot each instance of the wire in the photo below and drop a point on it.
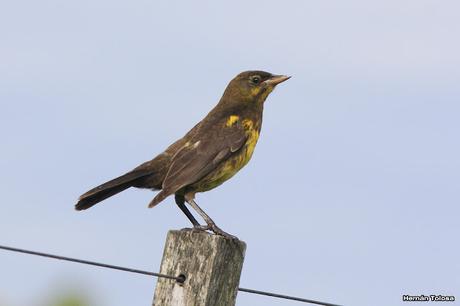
(287, 297)
(180, 278)
(92, 263)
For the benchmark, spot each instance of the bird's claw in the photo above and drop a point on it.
(187, 229)
(211, 227)
(196, 228)
(216, 230)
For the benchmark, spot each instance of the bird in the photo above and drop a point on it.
(212, 152)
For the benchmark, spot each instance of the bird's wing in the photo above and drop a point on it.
(201, 155)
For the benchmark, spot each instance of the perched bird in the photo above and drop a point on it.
(213, 151)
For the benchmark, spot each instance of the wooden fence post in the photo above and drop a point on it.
(212, 267)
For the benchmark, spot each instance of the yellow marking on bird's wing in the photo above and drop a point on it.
(231, 120)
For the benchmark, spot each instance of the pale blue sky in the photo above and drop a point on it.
(353, 192)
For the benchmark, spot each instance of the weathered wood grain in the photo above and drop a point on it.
(212, 266)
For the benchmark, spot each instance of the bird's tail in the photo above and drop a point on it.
(110, 188)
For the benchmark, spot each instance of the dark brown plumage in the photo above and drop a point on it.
(210, 153)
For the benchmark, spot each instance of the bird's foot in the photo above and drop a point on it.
(213, 228)
(218, 231)
(196, 228)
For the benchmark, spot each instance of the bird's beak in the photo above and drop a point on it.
(276, 79)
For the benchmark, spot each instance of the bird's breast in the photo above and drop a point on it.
(252, 133)
(237, 161)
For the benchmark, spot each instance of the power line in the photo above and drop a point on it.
(179, 278)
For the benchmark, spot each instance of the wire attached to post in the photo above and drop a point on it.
(180, 279)
(93, 263)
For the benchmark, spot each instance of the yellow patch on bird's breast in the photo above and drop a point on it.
(232, 120)
(253, 135)
(231, 166)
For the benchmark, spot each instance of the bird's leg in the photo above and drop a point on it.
(211, 225)
(180, 201)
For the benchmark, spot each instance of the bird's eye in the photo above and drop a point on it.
(255, 79)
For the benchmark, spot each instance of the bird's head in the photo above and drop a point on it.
(252, 87)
